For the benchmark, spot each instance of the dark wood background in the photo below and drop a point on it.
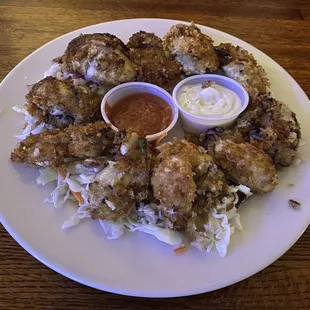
(281, 29)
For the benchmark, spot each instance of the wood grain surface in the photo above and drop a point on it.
(281, 29)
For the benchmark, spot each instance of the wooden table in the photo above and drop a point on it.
(281, 29)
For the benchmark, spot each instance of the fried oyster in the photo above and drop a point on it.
(155, 66)
(122, 184)
(174, 187)
(101, 58)
(271, 126)
(203, 190)
(56, 148)
(191, 48)
(181, 173)
(241, 66)
(61, 103)
(245, 164)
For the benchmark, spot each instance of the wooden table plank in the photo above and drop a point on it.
(281, 29)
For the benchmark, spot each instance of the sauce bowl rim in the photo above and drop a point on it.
(245, 102)
(121, 87)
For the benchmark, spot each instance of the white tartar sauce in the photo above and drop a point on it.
(211, 101)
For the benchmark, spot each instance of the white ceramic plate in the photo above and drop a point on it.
(138, 264)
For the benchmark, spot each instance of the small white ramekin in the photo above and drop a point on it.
(126, 89)
(198, 124)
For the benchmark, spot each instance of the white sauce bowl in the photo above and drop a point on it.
(198, 124)
(126, 89)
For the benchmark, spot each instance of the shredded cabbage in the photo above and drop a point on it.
(222, 223)
(166, 235)
(82, 213)
(242, 188)
(217, 231)
(20, 108)
(145, 221)
(59, 196)
(46, 176)
(73, 185)
(32, 127)
(113, 230)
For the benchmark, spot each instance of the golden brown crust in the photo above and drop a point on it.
(130, 186)
(192, 48)
(108, 39)
(120, 186)
(185, 148)
(59, 147)
(146, 51)
(144, 39)
(100, 58)
(207, 176)
(246, 165)
(241, 66)
(173, 182)
(271, 126)
(182, 172)
(61, 103)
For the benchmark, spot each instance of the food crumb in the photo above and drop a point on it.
(206, 84)
(294, 204)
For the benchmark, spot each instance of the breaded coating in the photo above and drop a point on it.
(173, 182)
(191, 48)
(122, 184)
(185, 148)
(241, 66)
(202, 165)
(182, 172)
(101, 58)
(212, 135)
(271, 126)
(61, 103)
(209, 178)
(59, 147)
(156, 67)
(144, 39)
(247, 165)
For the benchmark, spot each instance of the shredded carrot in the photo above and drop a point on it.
(157, 141)
(77, 195)
(62, 173)
(180, 250)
